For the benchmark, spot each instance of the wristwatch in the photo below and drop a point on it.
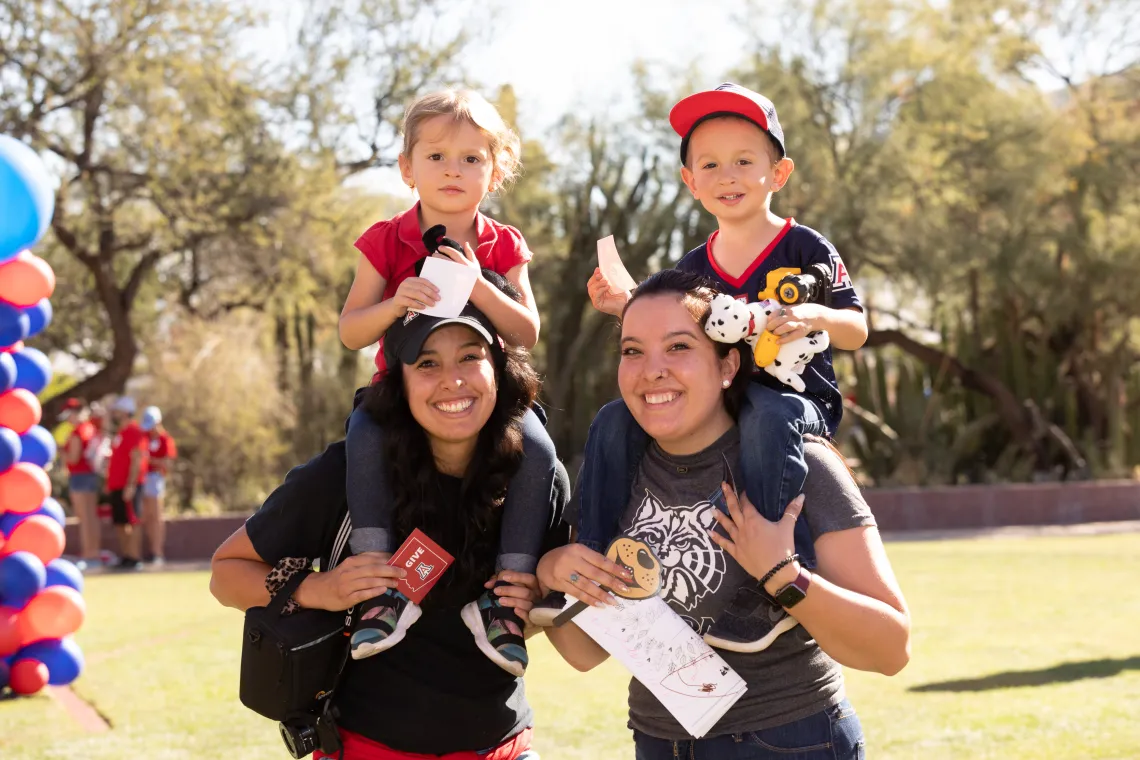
(792, 594)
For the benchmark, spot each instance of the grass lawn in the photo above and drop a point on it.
(1023, 648)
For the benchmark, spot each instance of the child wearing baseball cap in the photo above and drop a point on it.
(733, 160)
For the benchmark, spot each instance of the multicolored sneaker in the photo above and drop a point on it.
(498, 631)
(381, 623)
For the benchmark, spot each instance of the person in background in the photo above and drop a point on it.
(126, 471)
(83, 480)
(161, 450)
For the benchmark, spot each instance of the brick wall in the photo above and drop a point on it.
(896, 509)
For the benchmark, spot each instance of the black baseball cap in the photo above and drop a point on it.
(405, 339)
(726, 100)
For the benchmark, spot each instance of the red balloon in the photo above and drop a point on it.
(55, 612)
(11, 638)
(17, 346)
(19, 410)
(38, 534)
(28, 676)
(23, 489)
(25, 280)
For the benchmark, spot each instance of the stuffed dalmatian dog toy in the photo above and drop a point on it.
(731, 321)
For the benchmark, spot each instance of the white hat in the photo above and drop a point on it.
(124, 404)
(151, 418)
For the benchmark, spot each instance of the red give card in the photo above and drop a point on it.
(425, 561)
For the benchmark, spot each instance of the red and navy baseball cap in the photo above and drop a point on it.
(726, 100)
(405, 339)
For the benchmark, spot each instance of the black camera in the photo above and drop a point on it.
(307, 732)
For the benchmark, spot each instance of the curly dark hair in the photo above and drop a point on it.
(696, 293)
(468, 529)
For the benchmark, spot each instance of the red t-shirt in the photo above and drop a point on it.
(84, 431)
(162, 449)
(394, 246)
(131, 438)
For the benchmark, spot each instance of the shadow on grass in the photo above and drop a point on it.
(1069, 671)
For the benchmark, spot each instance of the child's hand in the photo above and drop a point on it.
(465, 257)
(792, 322)
(414, 294)
(603, 295)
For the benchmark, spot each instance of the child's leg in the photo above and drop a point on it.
(369, 498)
(528, 507)
(772, 427)
(614, 448)
(527, 513)
(381, 622)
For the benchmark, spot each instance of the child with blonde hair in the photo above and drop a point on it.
(456, 149)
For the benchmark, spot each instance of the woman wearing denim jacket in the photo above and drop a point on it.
(685, 390)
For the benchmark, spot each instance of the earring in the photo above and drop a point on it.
(725, 383)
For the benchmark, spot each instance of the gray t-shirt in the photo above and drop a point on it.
(669, 509)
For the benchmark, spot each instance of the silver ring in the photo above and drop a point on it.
(574, 577)
(783, 312)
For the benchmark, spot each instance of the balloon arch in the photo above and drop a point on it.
(40, 594)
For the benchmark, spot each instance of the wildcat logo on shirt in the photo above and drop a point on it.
(692, 566)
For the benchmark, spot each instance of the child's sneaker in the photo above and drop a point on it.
(498, 631)
(382, 623)
(544, 612)
(752, 630)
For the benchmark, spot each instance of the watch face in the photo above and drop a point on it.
(790, 596)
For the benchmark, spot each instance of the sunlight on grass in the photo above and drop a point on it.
(1022, 649)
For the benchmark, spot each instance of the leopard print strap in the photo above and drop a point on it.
(280, 574)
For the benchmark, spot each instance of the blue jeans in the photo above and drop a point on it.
(832, 734)
(527, 509)
(772, 426)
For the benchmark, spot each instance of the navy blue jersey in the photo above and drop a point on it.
(794, 249)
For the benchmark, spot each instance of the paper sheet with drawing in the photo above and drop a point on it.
(691, 680)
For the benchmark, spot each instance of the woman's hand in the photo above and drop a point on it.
(581, 572)
(520, 595)
(360, 577)
(756, 543)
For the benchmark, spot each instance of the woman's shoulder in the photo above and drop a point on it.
(832, 500)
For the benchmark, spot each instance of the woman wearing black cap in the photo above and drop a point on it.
(451, 408)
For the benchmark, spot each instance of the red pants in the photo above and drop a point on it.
(356, 747)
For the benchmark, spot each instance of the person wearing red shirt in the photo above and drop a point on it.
(126, 471)
(83, 480)
(161, 450)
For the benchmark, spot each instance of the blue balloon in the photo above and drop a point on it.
(29, 199)
(14, 323)
(38, 447)
(7, 372)
(39, 316)
(33, 370)
(22, 575)
(63, 658)
(51, 508)
(10, 448)
(60, 572)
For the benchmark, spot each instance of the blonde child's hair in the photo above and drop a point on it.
(465, 105)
